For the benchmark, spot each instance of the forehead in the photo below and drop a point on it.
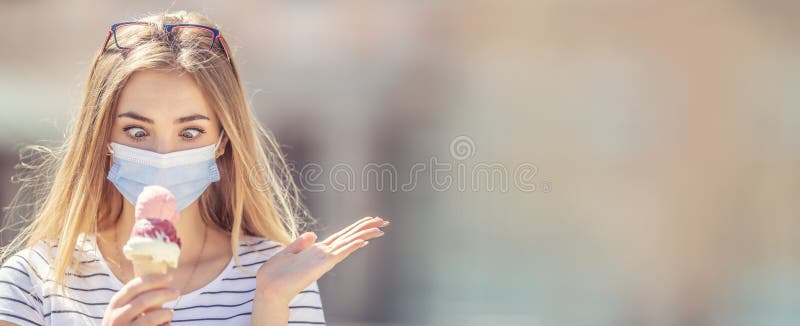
(162, 95)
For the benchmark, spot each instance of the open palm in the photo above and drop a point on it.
(301, 263)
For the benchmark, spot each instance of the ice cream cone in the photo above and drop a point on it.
(144, 265)
(154, 244)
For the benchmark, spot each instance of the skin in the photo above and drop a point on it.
(148, 117)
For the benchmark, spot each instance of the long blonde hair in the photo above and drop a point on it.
(71, 195)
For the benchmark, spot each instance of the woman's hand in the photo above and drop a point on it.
(301, 263)
(139, 302)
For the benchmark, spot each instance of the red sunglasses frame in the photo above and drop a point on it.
(216, 36)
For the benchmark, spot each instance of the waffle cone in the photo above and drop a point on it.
(144, 265)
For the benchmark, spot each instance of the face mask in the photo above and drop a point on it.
(185, 173)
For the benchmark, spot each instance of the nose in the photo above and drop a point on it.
(163, 146)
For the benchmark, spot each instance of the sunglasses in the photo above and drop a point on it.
(127, 35)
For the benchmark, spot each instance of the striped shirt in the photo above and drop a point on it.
(26, 297)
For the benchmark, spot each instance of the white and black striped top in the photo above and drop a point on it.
(26, 297)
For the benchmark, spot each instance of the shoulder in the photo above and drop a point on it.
(36, 261)
(252, 246)
(31, 262)
(254, 250)
(26, 287)
(20, 284)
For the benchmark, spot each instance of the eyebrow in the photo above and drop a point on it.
(136, 116)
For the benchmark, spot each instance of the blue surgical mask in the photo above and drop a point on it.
(185, 173)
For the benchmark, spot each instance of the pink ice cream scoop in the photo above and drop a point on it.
(156, 202)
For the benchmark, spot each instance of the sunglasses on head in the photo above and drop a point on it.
(127, 35)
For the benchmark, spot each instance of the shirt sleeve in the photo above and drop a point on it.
(19, 302)
(306, 307)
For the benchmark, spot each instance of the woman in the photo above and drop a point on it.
(164, 105)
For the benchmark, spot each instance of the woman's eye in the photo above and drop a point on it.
(191, 133)
(136, 132)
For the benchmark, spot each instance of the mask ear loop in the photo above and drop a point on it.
(219, 141)
(110, 150)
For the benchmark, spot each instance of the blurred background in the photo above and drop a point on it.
(561, 162)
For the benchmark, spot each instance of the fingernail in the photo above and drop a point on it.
(380, 234)
(365, 243)
(385, 223)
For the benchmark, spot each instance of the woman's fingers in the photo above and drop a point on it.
(360, 235)
(154, 318)
(329, 240)
(139, 285)
(283, 276)
(354, 228)
(147, 301)
(342, 253)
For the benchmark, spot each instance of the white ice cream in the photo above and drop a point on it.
(160, 250)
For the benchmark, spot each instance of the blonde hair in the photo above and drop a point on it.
(255, 195)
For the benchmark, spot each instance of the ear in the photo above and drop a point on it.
(222, 144)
